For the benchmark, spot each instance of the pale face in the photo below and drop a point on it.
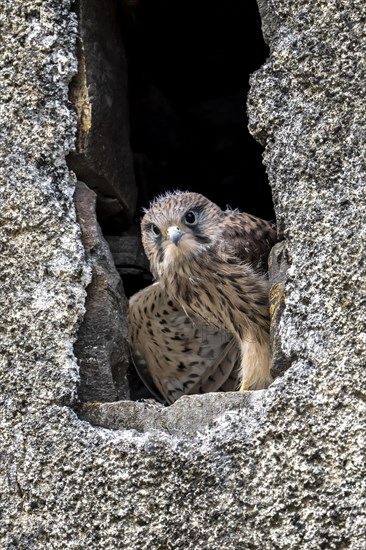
(178, 226)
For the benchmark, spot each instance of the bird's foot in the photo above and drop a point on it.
(244, 386)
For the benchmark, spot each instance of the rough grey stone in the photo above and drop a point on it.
(294, 478)
(268, 19)
(42, 258)
(128, 254)
(190, 416)
(101, 347)
(277, 271)
(103, 158)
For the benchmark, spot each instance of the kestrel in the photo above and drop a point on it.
(212, 266)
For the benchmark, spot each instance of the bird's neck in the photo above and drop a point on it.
(218, 291)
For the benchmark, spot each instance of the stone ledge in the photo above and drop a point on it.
(188, 416)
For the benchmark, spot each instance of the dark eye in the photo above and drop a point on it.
(155, 230)
(190, 218)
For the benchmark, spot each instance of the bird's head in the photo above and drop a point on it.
(177, 227)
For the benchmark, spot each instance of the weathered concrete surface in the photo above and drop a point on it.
(189, 416)
(101, 347)
(42, 258)
(277, 273)
(296, 477)
(102, 156)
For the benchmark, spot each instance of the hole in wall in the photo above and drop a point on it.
(189, 67)
(182, 118)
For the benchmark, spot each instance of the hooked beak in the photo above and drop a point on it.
(174, 234)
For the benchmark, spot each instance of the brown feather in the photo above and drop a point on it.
(251, 238)
(182, 355)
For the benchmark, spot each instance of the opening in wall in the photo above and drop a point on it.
(160, 97)
(189, 67)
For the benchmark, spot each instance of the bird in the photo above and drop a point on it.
(211, 265)
(177, 355)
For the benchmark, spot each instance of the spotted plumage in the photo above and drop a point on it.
(211, 264)
(179, 354)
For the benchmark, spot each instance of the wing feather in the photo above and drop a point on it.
(250, 238)
(182, 355)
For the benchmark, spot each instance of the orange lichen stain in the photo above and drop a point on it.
(277, 297)
(79, 97)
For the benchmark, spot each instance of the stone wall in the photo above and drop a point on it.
(283, 468)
